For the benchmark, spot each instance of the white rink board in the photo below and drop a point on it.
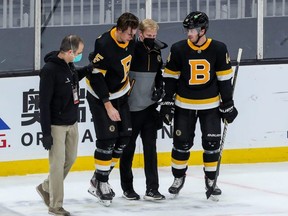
(261, 97)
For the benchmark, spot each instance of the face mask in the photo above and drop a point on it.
(78, 58)
(149, 42)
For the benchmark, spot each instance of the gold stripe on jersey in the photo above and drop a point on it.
(97, 70)
(113, 35)
(120, 93)
(224, 75)
(203, 47)
(197, 104)
(171, 74)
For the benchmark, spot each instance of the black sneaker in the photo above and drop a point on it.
(208, 183)
(153, 195)
(131, 195)
(177, 185)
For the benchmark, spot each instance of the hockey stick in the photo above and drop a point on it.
(211, 189)
(49, 16)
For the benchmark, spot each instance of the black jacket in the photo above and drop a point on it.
(56, 98)
(145, 60)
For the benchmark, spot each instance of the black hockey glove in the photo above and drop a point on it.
(228, 111)
(158, 94)
(47, 142)
(167, 111)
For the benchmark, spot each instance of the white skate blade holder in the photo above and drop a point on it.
(92, 191)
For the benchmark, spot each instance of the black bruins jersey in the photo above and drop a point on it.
(112, 61)
(200, 76)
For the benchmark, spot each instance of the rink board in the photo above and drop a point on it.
(259, 134)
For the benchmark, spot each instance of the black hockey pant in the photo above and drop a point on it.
(112, 137)
(183, 139)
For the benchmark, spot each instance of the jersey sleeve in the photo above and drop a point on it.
(224, 73)
(46, 91)
(100, 65)
(159, 76)
(171, 73)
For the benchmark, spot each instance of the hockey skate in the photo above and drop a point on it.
(216, 192)
(102, 191)
(177, 185)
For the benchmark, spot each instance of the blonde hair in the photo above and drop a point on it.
(148, 24)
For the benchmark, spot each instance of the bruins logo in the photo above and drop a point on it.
(178, 132)
(112, 128)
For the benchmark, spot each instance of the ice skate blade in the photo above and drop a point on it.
(92, 191)
(173, 196)
(214, 198)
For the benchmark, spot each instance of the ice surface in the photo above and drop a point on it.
(248, 189)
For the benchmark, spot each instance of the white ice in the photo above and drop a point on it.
(248, 189)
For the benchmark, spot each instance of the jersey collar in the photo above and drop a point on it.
(203, 47)
(112, 34)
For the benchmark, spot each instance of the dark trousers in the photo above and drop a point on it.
(143, 123)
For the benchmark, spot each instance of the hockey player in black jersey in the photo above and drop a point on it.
(197, 79)
(148, 88)
(108, 86)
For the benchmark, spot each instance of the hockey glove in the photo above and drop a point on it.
(47, 142)
(167, 111)
(228, 111)
(158, 94)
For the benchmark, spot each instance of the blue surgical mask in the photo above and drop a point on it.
(78, 58)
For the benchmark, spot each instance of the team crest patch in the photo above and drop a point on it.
(112, 128)
(178, 132)
(158, 58)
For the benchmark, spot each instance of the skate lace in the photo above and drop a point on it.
(104, 187)
(177, 182)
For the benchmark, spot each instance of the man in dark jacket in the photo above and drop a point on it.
(146, 72)
(59, 100)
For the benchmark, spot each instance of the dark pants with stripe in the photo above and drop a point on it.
(143, 123)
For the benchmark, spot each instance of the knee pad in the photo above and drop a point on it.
(121, 143)
(211, 146)
(182, 146)
(105, 145)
